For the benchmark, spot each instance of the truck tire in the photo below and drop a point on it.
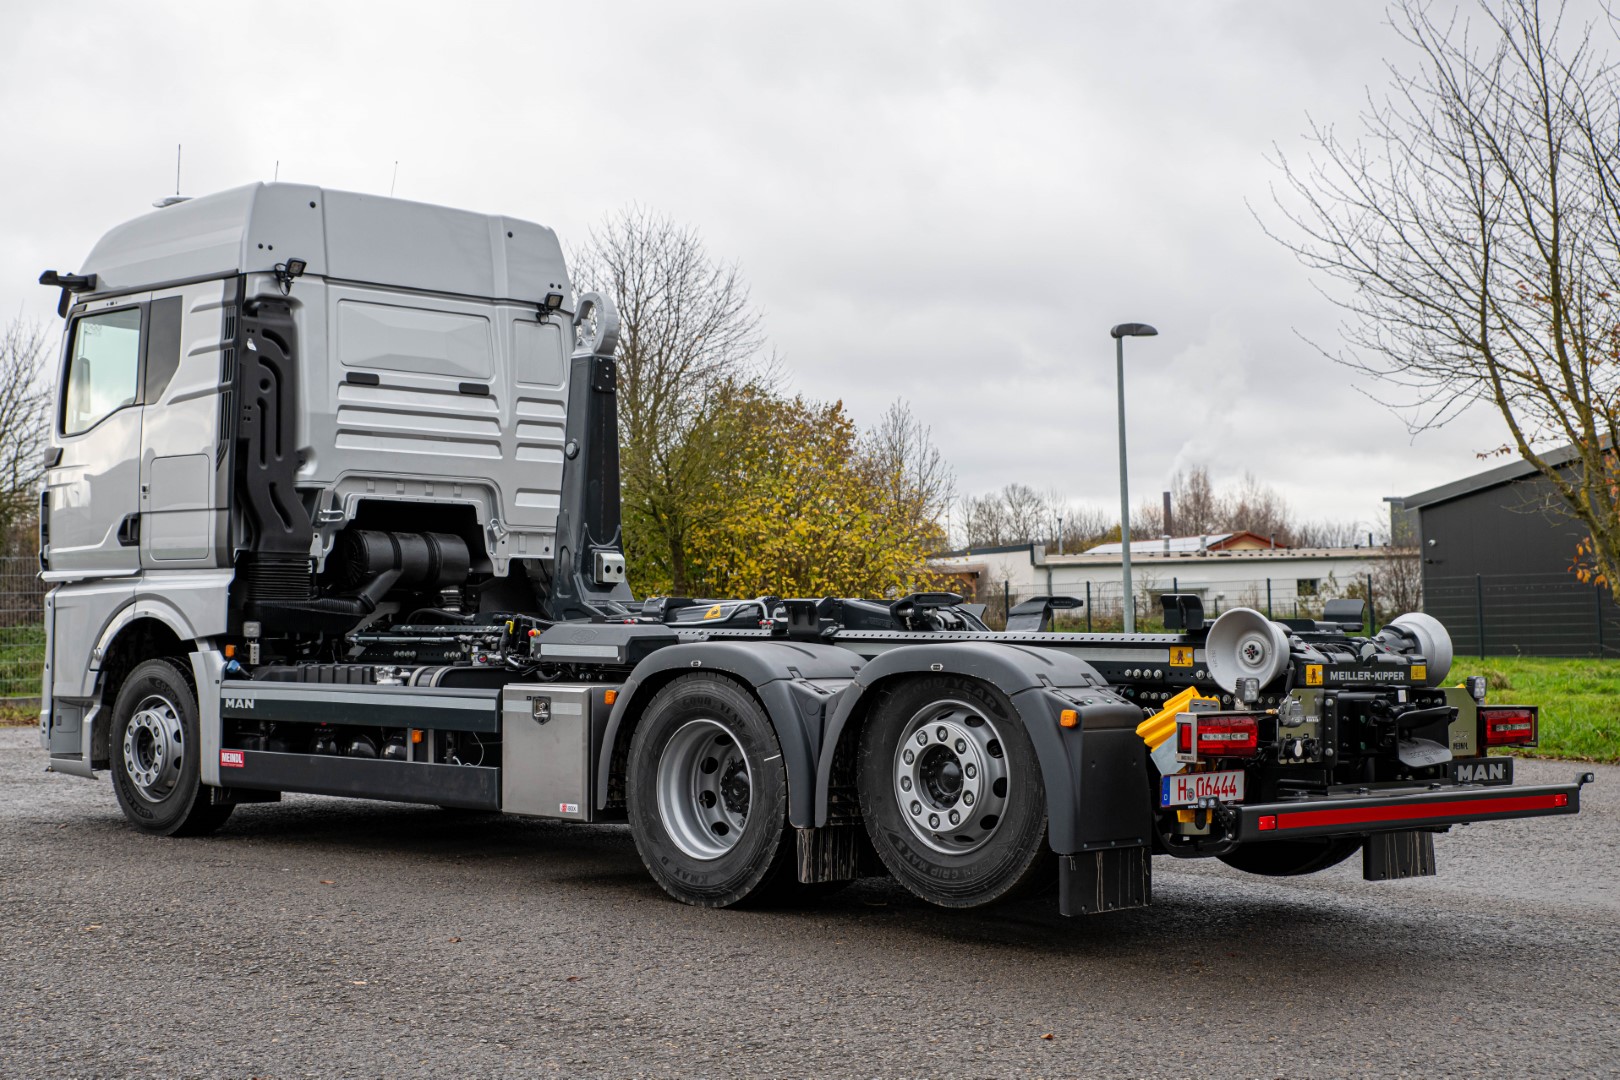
(154, 750)
(951, 793)
(707, 796)
(1292, 858)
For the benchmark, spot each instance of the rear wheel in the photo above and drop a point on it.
(1292, 858)
(707, 796)
(951, 793)
(155, 748)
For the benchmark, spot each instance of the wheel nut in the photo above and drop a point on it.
(905, 783)
(955, 817)
(970, 771)
(922, 738)
(933, 821)
(967, 797)
(942, 733)
(916, 807)
(961, 747)
(908, 757)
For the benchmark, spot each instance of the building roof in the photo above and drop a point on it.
(1181, 545)
(1502, 474)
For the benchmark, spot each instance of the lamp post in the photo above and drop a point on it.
(1119, 334)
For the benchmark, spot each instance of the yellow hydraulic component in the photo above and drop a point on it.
(1162, 724)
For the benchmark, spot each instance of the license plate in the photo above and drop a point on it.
(1189, 789)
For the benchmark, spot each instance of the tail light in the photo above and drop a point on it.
(1200, 736)
(1509, 725)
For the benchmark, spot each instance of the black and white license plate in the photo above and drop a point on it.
(1190, 789)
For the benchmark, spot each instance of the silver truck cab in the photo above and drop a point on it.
(423, 362)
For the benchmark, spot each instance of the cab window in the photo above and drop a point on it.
(103, 368)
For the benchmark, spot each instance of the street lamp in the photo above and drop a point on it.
(1119, 334)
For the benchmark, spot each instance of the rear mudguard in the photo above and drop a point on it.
(795, 681)
(1095, 773)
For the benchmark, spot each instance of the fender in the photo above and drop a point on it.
(796, 682)
(1040, 683)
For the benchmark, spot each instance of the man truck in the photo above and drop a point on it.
(332, 506)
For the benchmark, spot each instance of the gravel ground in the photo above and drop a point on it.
(323, 937)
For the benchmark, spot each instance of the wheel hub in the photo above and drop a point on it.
(950, 777)
(704, 789)
(154, 747)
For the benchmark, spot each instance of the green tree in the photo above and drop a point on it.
(806, 510)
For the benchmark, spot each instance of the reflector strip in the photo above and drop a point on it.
(1307, 819)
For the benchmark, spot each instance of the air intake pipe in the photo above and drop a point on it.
(370, 564)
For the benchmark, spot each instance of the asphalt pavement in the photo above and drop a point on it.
(325, 937)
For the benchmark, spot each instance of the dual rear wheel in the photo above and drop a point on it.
(948, 784)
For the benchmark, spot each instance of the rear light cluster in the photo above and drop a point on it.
(1200, 736)
(1509, 725)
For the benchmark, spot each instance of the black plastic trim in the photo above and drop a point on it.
(465, 786)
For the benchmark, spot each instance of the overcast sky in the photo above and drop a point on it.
(950, 203)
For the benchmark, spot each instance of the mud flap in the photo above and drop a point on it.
(1110, 879)
(1394, 855)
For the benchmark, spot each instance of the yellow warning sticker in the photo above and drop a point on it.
(1181, 656)
(1313, 674)
(714, 612)
(1420, 672)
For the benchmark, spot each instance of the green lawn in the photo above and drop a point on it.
(1579, 699)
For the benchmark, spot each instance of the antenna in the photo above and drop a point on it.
(177, 168)
(277, 175)
(394, 181)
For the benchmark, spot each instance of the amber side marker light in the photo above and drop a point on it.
(611, 696)
(1069, 718)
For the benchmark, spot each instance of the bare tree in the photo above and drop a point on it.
(689, 344)
(24, 410)
(917, 482)
(1473, 232)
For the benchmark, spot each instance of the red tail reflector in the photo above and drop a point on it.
(1267, 822)
(1509, 725)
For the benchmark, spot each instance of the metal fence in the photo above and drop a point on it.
(1524, 614)
(22, 628)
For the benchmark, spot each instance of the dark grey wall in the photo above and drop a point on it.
(1515, 528)
(1497, 576)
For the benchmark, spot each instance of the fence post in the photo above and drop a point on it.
(1598, 592)
(1088, 607)
(1479, 611)
(1268, 598)
(1006, 603)
(1175, 584)
(1372, 609)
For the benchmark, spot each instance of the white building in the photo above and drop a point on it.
(1225, 570)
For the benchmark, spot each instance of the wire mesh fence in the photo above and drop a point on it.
(22, 628)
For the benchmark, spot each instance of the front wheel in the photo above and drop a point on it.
(707, 796)
(951, 793)
(155, 754)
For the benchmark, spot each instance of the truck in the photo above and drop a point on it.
(332, 506)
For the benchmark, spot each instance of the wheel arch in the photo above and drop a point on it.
(1040, 683)
(142, 631)
(791, 681)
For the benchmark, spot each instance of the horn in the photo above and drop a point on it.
(1243, 644)
(1432, 641)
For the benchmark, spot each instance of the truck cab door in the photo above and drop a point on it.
(93, 485)
(181, 480)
